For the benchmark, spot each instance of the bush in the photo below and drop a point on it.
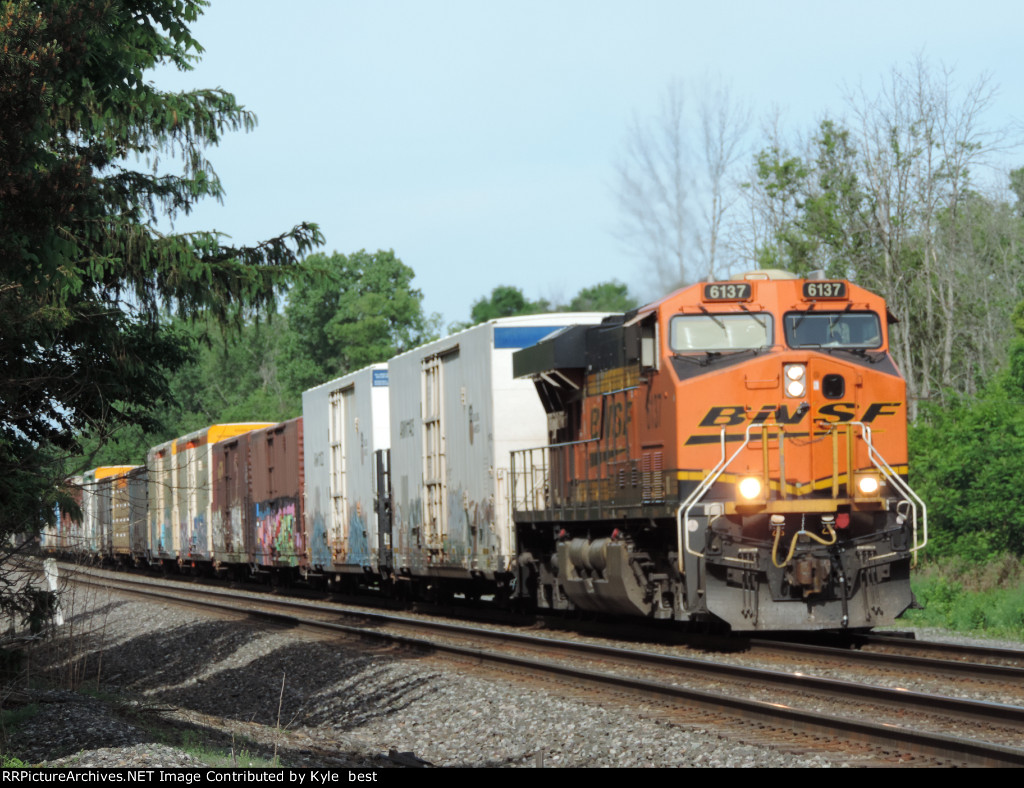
(981, 598)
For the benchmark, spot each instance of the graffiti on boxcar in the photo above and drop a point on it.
(165, 533)
(319, 547)
(470, 528)
(221, 538)
(411, 538)
(277, 538)
(358, 543)
(457, 542)
(195, 539)
(228, 538)
(234, 530)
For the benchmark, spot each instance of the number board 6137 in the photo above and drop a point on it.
(727, 291)
(818, 290)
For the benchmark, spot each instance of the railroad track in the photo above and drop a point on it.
(758, 705)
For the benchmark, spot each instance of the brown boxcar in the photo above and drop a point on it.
(232, 502)
(276, 481)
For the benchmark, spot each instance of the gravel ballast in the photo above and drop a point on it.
(173, 687)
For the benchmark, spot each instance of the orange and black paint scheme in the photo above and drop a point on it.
(734, 452)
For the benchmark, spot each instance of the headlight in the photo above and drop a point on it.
(868, 485)
(750, 488)
(796, 377)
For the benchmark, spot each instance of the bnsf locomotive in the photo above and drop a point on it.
(735, 452)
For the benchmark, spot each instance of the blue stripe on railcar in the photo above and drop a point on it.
(521, 336)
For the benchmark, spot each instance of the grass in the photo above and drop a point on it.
(10, 719)
(985, 599)
(192, 742)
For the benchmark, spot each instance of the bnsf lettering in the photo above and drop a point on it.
(877, 409)
(783, 416)
(725, 416)
(618, 417)
(834, 413)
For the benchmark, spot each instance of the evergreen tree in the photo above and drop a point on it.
(84, 271)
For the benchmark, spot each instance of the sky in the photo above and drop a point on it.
(479, 139)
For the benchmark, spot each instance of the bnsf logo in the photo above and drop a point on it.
(835, 413)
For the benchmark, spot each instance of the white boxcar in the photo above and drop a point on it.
(345, 424)
(161, 542)
(456, 415)
(180, 515)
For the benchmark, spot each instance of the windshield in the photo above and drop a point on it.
(833, 329)
(719, 332)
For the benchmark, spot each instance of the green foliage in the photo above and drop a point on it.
(967, 463)
(893, 204)
(610, 296)
(508, 301)
(11, 719)
(350, 311)
(84, 273)
(235, 376)
(232, 376)
(968, 460)
(1017, 187)
(505, 301)
(820, 205)
(982, 598)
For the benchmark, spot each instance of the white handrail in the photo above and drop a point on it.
(912, 498)
(683, 512)
(908, 493)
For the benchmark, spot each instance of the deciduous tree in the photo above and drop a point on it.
(610, 296)
(892, 198)
(677, 182)
(348, 311)
(505, 301)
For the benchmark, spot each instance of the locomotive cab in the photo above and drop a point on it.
(735, 451)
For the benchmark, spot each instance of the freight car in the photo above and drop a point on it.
(408, 463)
(347, 438)
(736, 452)
(181, 514)
(109, 505)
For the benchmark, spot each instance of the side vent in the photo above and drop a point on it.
(653, 479)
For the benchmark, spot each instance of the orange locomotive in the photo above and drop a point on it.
(736, 451)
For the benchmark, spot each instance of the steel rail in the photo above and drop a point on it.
(955, 668)
(969, 751)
